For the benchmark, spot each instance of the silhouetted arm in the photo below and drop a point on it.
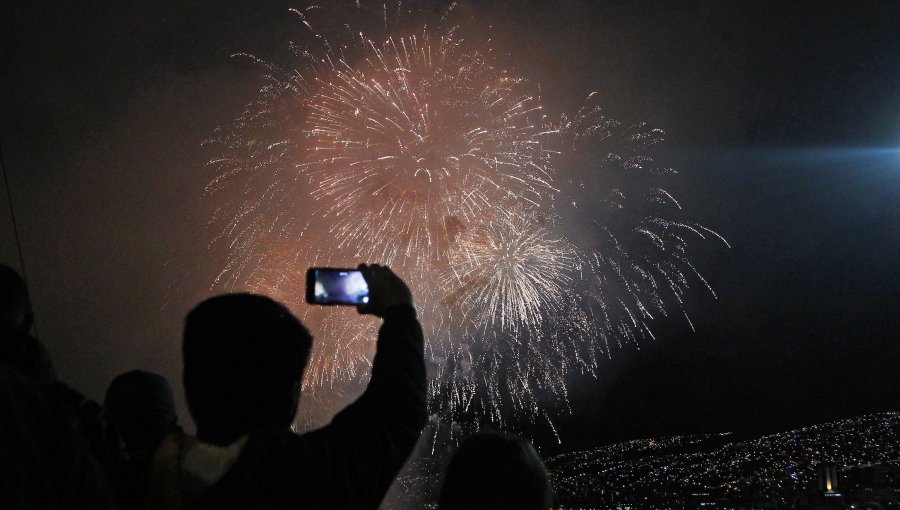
(369, 441)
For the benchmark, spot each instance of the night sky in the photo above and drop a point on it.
(784, 121)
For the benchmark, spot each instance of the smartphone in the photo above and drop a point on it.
(331, 286)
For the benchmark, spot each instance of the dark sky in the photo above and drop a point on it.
(775, 115)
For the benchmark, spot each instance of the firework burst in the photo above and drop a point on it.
(422, 151)
(634, 257)
(510, 273)
(424, 134)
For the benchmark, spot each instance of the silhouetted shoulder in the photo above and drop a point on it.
(43, 462)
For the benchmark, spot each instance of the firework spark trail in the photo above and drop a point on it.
(425, 134)
(512, 272)
(635, 266)
(420, 150)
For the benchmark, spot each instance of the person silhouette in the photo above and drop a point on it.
(25, 353)
(142, 406)
(244, 357)
(496, 471)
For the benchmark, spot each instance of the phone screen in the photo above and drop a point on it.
(328, 286)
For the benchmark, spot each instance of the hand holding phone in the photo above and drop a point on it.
(386, 289)
(372, 289)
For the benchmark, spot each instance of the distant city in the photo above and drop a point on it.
(852, 463)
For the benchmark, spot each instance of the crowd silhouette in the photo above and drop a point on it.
(243, 360)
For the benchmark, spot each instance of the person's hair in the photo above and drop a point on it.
(143, 406)
(497, 471)
(15, 307)
(244, 357)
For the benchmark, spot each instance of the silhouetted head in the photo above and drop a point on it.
(15, 307)
(244, 357)
(143, 406)
(496, 471)
(17, 348)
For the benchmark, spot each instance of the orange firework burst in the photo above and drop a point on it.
(420, 150)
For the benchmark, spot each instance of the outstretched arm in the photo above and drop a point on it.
(365, 445)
